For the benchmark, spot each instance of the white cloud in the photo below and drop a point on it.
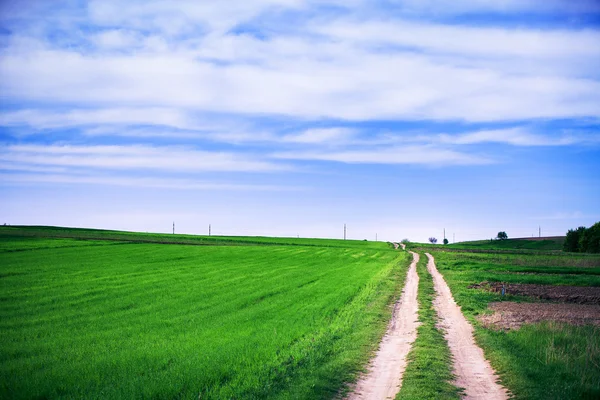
(321, 136)
(515, 137)
(452, 7)
(44, 119)
(135, 157)
(117, 39)
(469, 40)
(137, 182)
(183, 17)
(356, 84)
(416, 154)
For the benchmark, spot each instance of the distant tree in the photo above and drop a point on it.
(405, 241)
(502, 235)
(572, 240)
(433, 240)
(589, 241)
(445, 241)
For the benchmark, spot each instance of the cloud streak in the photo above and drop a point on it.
(137, 182)
(415, 155)
(172, 159)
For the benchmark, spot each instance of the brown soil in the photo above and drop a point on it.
(384, 377)
(510, 315)
(564, 294)
(473, 372)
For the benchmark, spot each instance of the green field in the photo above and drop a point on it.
(46, 232)
(522, 246)
(109, 314)
(103, 314)
(545, 360)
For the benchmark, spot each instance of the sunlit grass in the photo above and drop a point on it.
(538, 361)
(172, 321)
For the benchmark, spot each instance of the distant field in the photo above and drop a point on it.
(543, 360)
(552, 245)
(84, 314)
(45, 232)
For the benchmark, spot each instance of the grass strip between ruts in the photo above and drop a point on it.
(429, 370)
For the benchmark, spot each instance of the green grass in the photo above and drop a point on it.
(429, 370)
(571, 262)
(538, 361)
(518, 246)
(524, 244)
(163, 238)
(95, 319)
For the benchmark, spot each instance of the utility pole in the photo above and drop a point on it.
(540, 230)
(208, 229)
(173, 227)
(344, 231)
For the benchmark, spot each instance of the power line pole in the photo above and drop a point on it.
(540, 231)
(173, 227)
(208, 229)
(344, 231)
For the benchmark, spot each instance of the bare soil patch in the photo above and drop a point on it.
(511, 315)
(384, 377)
(564, 294)
(473, 372)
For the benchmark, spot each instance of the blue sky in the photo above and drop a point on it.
(293, 117)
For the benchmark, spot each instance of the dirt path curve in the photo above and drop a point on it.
(473, 372)
(384, 376)
(403, 246)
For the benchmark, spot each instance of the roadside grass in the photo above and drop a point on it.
(211, 322)
(552, 246)
(538, 361)
(571, 262)
(429, 370)
(46, 232)
(555, 243)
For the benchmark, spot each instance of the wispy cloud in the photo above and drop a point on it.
(495, 42)
(353, 67)
(518, 137)
(419, 155)
(135, 157)
(138, 182)
(49, 119)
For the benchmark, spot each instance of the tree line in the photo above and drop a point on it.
(583, 240)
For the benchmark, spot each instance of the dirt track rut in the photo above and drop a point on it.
(384, 377)
(473, 372)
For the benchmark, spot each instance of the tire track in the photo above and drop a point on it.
(473, 372)
(384, 377)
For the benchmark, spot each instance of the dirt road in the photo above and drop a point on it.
(384, 376)
(473, 372)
